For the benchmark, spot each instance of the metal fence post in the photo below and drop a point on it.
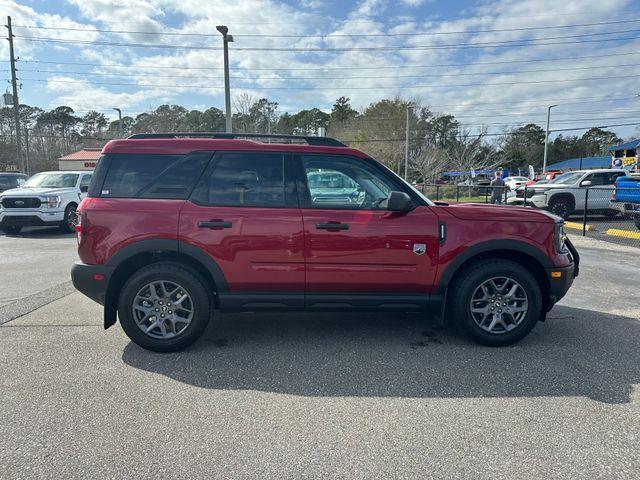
(524, 203)
(584, 216)
(486, 195)
(457, 193)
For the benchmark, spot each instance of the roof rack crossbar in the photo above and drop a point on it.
(311, 140)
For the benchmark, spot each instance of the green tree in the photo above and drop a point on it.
(342, 111)
(596, 141)
(93, 123)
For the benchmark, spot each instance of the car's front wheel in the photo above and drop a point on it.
(12, 230)
(495, 302)
(164, 307)
(561, 207)
(68, 224)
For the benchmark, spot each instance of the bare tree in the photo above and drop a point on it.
(242, 104)
(470, 152)
(428, 163)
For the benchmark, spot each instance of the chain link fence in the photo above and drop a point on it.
(605, 212)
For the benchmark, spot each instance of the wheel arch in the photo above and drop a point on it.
(147, 252)
(563, 196)
(518, 251)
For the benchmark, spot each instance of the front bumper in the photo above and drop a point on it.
(92, 280)
(539, 201)
(30, 218)
(561, 278)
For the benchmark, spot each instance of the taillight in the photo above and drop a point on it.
(78, 227)
(615, 189)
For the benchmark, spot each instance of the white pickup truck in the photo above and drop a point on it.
(46, 199)
(567, 193)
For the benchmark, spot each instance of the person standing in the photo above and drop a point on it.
(497, 189)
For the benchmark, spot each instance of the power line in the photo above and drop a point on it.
(394, 67)
(463, 74)
(495, 44)
(329, 35)
(333, 87)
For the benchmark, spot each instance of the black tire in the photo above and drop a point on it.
(460, 298)
(12, 230)
(562, 207)
(636, 220)
(169, 272)
(68, 224)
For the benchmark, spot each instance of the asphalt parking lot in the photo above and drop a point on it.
(317, 396)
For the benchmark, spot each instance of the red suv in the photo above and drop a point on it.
(178, 226)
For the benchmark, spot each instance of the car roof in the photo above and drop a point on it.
(182, 146)
(17, 174)
(598, 170)
(66, 171)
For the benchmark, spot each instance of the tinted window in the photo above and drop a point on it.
(84, 181)
(152, 176)
(597, 179)
(245, 179)
(345, 183)
(7, 182)
(52, 180)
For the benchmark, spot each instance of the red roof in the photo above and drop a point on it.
(91, 154)
(183, 146)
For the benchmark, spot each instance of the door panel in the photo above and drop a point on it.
(375, 254)
(261, 250)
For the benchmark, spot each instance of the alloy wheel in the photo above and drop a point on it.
(162, 309)
(499, 304)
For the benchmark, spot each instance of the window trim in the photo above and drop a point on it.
(304, 192)
(290, 190)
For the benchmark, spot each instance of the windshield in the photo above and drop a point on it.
(518, 179)
(567, 178)
(52, 180)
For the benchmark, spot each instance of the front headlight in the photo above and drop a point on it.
(52, 202)
(560, 237)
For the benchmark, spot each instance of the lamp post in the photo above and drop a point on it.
(119, 122)
(546, 139)
(226, 38)
(406, 144)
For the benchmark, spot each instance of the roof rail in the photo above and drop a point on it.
(311, 140)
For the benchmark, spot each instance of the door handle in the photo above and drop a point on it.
(332, 226)
(214, 224)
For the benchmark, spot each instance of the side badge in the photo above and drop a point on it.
(419, 248)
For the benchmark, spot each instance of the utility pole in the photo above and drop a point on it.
(224, 30)
(16, 102)
(119, 122)
(406, 144)
(546, 140)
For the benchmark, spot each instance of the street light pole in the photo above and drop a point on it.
(546, 139)
(119, 122)
(406, 144)
(224, 30)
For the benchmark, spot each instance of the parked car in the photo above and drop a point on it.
(9, 180)
(175, 229)
(45, 199)
(566, 193)
(626, 197)
(543, 178)
(513, 183)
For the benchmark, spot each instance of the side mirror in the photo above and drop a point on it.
(586, 183)
(84, 188)
(399, 202)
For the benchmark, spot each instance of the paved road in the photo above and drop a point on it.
(330, 396)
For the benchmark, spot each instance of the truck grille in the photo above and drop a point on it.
(17, 202)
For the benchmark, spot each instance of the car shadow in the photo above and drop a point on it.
(575, 353)
(41, 232)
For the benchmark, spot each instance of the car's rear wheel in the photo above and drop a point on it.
(561, 207)
(164, 307)
(12, 230)
(68, 224)
(495, 302)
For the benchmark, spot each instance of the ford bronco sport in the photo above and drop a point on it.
(179, 226)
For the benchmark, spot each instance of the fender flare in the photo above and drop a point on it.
(492, 246)
(177, 246)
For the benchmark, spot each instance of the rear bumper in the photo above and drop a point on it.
(561, 278)
(92, 280)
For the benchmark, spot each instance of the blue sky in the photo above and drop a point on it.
(495, 63)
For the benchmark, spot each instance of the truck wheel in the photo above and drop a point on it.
(561, 207)
(164, 307)
(70, 217)
(13, 230)
(636, 220)
(495, 302)
(611, 213)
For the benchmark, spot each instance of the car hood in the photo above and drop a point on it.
(36, 192)
(487, 212)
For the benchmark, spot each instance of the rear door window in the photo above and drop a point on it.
(246, 179)
(152, 176)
